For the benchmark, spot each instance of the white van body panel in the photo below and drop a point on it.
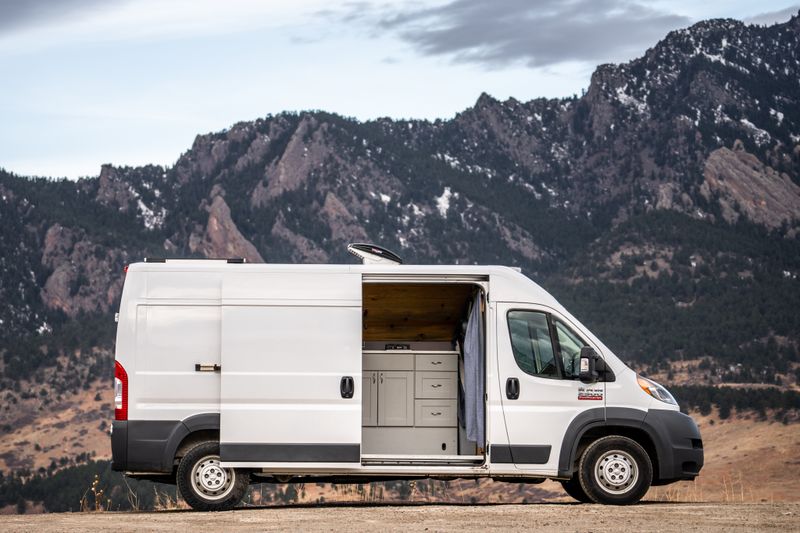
(271, 393)
(170, 340)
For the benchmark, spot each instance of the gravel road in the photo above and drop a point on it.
(683, 517)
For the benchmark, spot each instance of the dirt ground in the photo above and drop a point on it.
(683, 517)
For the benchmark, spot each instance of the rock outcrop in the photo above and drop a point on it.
(112, 190)
(745, 186)
(221, 238)
(85, 277)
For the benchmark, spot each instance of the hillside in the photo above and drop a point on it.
(662, 207)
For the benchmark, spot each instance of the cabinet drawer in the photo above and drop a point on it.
(436, 413)
(440, 362)
(388, 361)
(436, 384)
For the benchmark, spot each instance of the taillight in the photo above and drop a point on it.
(120, 392)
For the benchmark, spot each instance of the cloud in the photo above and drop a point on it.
(774, 17)
(537, 33)
(16, 14)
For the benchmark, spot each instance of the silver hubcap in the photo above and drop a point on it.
(616, 472)
(210, 480)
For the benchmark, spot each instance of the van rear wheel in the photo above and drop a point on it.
(615, 470)
(205, 485)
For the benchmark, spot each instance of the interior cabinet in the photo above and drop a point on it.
(387, 398)
(396, 398)
(369, 399)
(409, 403)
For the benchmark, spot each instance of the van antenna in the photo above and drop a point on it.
(371, 254)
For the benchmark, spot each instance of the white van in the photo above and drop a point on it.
(228, 373)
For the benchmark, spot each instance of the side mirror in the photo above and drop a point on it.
(588, 372)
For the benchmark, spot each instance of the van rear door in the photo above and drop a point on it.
(291, 370)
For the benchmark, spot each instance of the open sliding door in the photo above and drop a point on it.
(291, 370)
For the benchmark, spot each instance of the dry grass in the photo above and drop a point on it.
(63, 428)
(164, 501)
(731, 489)
(94, 498)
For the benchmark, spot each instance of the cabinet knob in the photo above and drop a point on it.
(436, 363)
(436, 385)
(437, 413)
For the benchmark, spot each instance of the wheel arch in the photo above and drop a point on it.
(192, 430)
(599, 422)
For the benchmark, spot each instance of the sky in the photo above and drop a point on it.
(132, 82)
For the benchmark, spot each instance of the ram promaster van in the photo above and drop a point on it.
(229, 373)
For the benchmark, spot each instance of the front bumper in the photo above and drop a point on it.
(680, 447)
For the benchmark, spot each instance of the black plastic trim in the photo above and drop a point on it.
(230, 260)
(201, 422)
(147, 442)
(622, 416)
(291, 453)
(150, 445)
(672, 433)
(119, 445)
(534, 454)
(676, 437)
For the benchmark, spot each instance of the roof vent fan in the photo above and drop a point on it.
(371, 254)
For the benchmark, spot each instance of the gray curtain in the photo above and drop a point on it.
(474, 375)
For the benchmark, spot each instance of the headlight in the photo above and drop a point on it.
(655, 390)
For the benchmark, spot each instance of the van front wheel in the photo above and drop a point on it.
(205, 485)
(574, 489)
(615, 470)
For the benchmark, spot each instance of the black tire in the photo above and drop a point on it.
(574, 489)
(199, 471)
(615, 470)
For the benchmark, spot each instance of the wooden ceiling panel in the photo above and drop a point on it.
(414, 312)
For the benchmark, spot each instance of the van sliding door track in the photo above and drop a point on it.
(415, 460)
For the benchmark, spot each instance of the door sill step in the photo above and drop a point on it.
(403, 460)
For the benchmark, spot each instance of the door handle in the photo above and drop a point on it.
(207, 367)
(347, 387)
(373, 377)
(512, 388)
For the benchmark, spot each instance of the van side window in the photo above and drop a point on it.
(531, 343)
(570, 348)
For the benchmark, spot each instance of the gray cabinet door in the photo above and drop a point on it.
(369, 399)
(396, 398)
